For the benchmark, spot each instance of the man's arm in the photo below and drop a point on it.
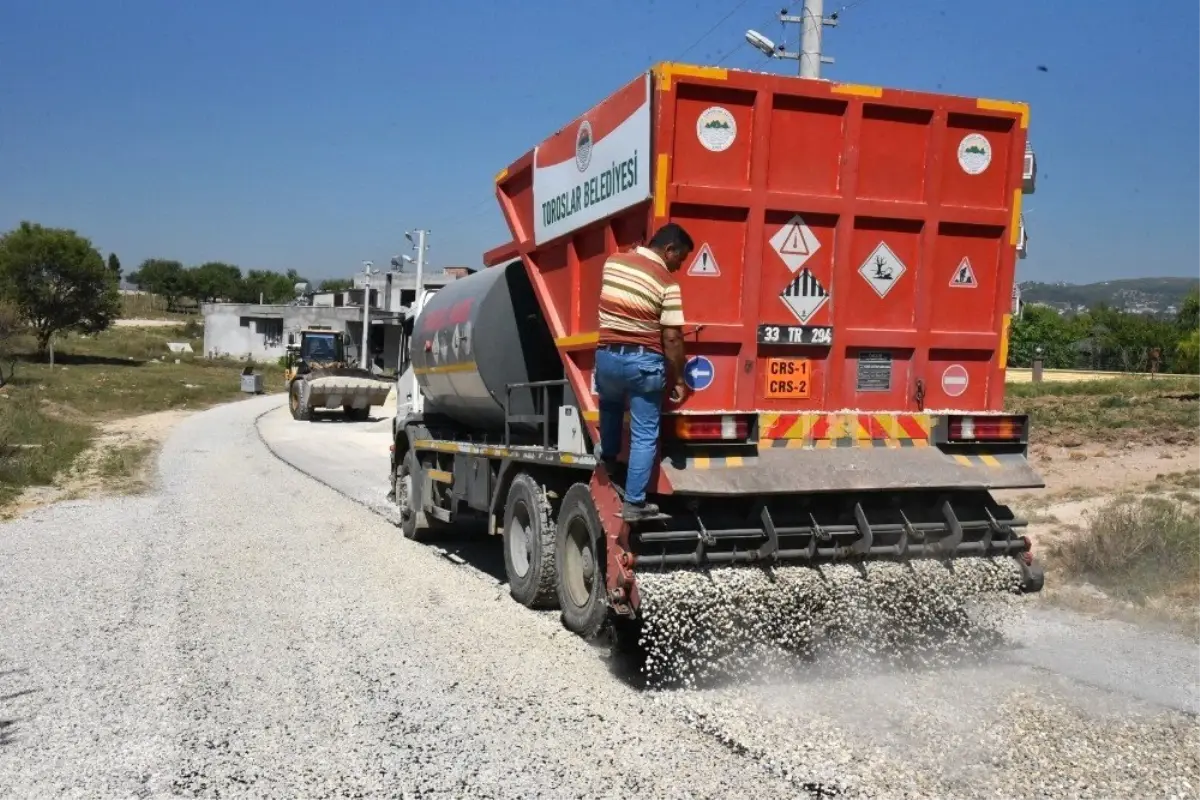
(672, 340)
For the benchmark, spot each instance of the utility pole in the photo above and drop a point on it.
(416, 400)
(812, 21)
(420, 247)
(811, 25)
(366, 337)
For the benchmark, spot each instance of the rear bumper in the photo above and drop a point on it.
(844, 469)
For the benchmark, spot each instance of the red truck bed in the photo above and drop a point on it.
(855, 244)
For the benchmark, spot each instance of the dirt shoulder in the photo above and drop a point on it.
(89, 422)
(119, 460)
(1112, 529)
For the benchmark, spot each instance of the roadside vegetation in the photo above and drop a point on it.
(68, 377)
(1150, 411)
(1140, 550)
(50, 415)
(1130, 550)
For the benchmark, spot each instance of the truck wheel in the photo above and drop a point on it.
(578, 561)
(298, 404)
(408, 499)
(529, 544)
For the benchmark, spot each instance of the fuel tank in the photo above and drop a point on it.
(475, 337)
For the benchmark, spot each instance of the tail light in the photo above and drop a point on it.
(717, 427)
(987, 429)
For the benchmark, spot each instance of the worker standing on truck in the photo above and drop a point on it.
(639, 350)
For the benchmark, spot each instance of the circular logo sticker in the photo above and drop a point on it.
(583, 146)
(716, 128)
(974, 153)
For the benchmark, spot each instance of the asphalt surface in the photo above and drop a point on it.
(246, 630)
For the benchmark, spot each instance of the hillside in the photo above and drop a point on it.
(1148, 295)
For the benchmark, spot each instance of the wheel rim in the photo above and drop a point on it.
(580, 562)
(294, 399)
(520, 540)
(404, 496)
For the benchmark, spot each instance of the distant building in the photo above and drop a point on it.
(259, 332)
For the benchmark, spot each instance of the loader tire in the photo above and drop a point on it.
(579, 563)
(299, 403)
(529, 536)
(357, 414)
(407, 485)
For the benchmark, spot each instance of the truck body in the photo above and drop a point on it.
(847, 311)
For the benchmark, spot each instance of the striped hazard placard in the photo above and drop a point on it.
(844, 430)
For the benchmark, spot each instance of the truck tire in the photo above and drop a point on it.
(529, 536)
(579, 563)
(407, 484)
(299, 403)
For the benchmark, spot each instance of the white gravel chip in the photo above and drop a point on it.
(246, 632)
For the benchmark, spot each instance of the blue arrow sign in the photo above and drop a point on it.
(698, 373)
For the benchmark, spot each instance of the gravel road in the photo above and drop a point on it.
(245, 631)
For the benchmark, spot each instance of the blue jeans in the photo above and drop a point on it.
(641, 377)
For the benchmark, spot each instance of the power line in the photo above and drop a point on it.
(787, 9)
(709, 32)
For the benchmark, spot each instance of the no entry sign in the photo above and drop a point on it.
(954, 380)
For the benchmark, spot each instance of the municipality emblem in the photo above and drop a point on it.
(716, 129)
(974, 153)
(583, 146)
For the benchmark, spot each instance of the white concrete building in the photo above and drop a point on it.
(260, 332)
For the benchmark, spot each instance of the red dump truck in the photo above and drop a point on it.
(847, 305)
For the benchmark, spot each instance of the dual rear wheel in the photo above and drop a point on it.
(555, 563)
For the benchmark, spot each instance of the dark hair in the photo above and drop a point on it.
(672, 234)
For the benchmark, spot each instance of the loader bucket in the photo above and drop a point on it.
(342, 391)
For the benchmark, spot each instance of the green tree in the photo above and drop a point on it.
(1125, 340)
(163, 277)
(215, 281)
(336, 285)
(114, 266)
(1188, 318)
(11, 325)
(270, 286)
(58, 282)
(1042, 326)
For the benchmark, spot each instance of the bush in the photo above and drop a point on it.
(35, 447)
(1136, 548)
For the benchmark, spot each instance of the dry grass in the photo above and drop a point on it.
(1138, 549)
(1165, 410)
(50, 415)
(151, 306)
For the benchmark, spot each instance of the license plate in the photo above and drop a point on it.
(794, 334)
(787, 379)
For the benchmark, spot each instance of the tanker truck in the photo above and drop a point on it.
(847, 311)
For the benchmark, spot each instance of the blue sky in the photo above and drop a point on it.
(296, 133)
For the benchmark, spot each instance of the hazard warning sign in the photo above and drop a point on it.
(804, 296)
(704, 263)
(795, 243)
(964, 276)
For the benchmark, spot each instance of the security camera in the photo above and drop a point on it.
(761, 43)
(397, 262)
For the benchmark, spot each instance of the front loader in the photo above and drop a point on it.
(318, 377)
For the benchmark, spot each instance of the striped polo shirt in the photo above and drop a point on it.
(638, 298)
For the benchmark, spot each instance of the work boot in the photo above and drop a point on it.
(637, 512)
